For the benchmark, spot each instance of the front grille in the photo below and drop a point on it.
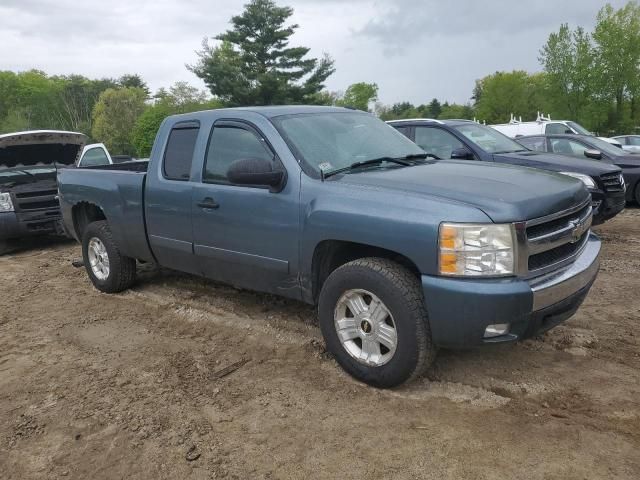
(36, 200)
(553, 241)
(555, 255)
(613, 182)
(556, 224)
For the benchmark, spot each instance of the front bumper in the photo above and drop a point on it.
(461, 309)
(606, 206)
(11, 226)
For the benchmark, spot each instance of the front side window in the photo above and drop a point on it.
(228, 144)
(93, 157)
(635, 141)
(537, 144)
(489, 139)
(436, 141)
(331, 140)
(565, 146)
(179, 153)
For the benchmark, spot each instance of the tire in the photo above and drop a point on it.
(636, 193)
(373, 279)
(4, 247)
(120, 271)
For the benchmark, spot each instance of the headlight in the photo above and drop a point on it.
(6, 205)
(586, 179)
(476, 249)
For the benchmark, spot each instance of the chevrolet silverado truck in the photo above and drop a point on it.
(28, 191)
(468, 140)
(401, 254)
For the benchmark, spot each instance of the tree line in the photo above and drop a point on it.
(589, 77)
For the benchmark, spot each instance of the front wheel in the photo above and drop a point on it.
(636, 193)
(374, 321)
(108, 269)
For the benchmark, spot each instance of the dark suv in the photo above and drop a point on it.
(588, 147)
(468, 140)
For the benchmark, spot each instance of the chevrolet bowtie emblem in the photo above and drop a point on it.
(576, 231)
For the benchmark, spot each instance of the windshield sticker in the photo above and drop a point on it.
(325, 166)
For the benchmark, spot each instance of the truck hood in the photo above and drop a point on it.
(39, 148)
(627, 161)
(503, 192)
(556, 163)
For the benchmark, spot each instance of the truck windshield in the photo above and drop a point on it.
(605, 147)
(488, 139)
(332, 140)
(579, 129)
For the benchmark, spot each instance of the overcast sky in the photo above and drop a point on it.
(413, 49)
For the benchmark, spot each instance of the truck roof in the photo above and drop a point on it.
(425, 121)
(272, 111)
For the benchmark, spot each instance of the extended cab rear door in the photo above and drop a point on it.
(168, 194)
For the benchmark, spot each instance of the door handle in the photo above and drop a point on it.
(208, 203)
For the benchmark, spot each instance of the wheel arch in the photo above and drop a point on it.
(329, 255)
(83, 214)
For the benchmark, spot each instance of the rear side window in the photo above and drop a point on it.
(228, 144)
(93, 157)
(536, 144)
(179, 152)
(436, 141)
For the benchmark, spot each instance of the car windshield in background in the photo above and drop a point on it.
(488, 139)
(329, 141)
(579, 128)
(606, 147)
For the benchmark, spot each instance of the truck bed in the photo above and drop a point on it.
(118, 191)
(132, 166)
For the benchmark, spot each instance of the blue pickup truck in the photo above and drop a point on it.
(402, 254)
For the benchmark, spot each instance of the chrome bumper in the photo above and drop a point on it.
(554, 287)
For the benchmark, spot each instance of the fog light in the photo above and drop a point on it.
(496, 330)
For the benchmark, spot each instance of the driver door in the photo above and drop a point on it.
(244, 235)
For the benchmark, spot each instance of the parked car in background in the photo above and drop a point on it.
(97, 154)
(28, 190)
(589, 148)
(468, 140)
(630, 143)
(333, 207)
(93, 155)
(545, 126)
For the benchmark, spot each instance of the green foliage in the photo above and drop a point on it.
(568, 59)
(180, 98)
(134, 81)
(146, 127)
(33, 100)
(114, 117)
(504, 93)
(254, 64)
(359, 96)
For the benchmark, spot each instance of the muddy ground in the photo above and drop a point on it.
(183, 378)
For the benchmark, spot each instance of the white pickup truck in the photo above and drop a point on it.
(545, 126)
(97, 154)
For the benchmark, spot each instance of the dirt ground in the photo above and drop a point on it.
(182, 378)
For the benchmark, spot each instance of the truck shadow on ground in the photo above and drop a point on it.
(33, 245)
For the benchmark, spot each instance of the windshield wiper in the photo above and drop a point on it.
(366, 163)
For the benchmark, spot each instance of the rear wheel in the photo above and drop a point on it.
(108, 269)
(636, 193)
(374, 321)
